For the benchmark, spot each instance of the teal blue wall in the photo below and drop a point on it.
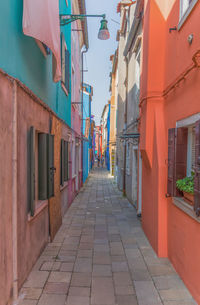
(85, 160)
(20, 57)
(87, 143)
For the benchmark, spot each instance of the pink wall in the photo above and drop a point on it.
(32, 235)
(6, 113)
(76, 81)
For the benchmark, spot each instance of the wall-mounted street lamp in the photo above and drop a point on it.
(103, 31)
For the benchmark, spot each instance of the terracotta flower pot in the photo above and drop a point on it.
(189, 197)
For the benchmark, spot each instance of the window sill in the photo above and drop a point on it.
(62, 187)
(187, 13)
(180, 203)
(41, 205)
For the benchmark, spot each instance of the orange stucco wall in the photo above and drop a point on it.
(166, 55)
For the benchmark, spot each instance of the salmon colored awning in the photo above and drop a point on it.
(41, 21)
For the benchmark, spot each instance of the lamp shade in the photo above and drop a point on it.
(103, 32)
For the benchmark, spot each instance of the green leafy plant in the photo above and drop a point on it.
(186, 184)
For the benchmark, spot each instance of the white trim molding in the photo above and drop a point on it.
(188, 121)
(186, 14)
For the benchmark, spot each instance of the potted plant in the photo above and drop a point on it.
(186, 185)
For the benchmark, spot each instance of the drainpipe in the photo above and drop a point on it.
(82, 81)
(125, 126)
(14, 193)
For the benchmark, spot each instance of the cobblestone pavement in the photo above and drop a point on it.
(100, 256)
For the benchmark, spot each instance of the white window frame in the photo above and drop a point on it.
(128, 152)
(137, 65)
(189, 150)
(184, 14)
(189, 123)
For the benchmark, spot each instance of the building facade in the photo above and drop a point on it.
(158, 126)
(87, 137)
(98, 142)
(128, 156)
(169, 133)
(113, 112)
(121, 96)
(104, 131)
(37, 134)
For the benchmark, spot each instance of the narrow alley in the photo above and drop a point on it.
(100, 255)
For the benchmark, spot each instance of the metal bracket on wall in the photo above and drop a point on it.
(172, 29)
(66, 19)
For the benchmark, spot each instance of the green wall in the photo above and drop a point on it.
(20, 57)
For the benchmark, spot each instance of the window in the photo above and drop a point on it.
(137, 66)
(128, 158)
(73, 85)
(87, 128)
(184, 157)
(64, 162)
(73, 159)
(77, 156)
(186, 7)
(191, 150)
(40, 168)
(65, 64)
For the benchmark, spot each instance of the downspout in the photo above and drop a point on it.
(83, 52)
(14, 193)
(125, 127)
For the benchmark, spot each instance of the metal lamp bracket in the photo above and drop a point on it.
(67, 19)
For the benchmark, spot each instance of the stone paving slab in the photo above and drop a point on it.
(100, 256)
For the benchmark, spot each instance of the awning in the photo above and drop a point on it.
(41, 21)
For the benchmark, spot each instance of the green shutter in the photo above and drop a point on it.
(42, 166)
(62, 154)
(50, 165)
(66, 178)
(63, 57)
(67, 70)
(31, 171)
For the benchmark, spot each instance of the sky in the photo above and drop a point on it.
(97, 59)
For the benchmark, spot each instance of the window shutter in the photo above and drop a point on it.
(67, 70)
(66, 178)
(197, 170)
(50, 165)
(171, 186)
(181, 155)
(42, 166)
(62, 156)
(31, 171)
(63, 57)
